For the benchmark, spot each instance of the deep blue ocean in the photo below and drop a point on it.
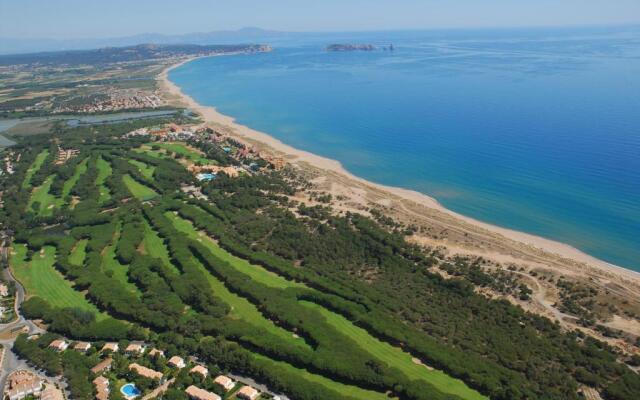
(535, 130)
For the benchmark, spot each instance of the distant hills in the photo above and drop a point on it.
(9, 45)
(127, 53)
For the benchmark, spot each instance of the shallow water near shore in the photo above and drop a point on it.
(537, 130)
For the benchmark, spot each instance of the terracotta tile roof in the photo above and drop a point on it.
(200, 394)
(144, 371)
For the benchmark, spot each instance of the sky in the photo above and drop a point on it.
(66, 19)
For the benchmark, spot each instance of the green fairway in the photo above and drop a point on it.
(146, 149)
(153, 245)
(71, 182)
(45, 200)
(256, 272)
(40, 278)
(79, 252)
(349, 390)
(37, 163)
(188, 152)
(145, 169)
(395, 357)
(241, 307)
(137, 189)
(104, 171)
(111, 265)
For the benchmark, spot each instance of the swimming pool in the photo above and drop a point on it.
(130, 391)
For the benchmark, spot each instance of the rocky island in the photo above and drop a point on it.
(350, 47)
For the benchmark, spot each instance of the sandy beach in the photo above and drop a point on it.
(458, 233)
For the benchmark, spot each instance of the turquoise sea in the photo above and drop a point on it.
(536, 130)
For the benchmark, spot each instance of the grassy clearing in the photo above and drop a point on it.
(104, 171)
(40, 278)
(71, 182)
(341, 388)
(45, 201)
(396, 357)
(146, 149)
(189, 153)
(137, 189)
(37, 163)
(145, 169)
(111, 265)
(79, 252)
(153, 245)
(241, 308)
(256, 272)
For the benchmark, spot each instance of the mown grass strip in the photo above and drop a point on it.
(81, 168)
(104, 171)
(41, 279)
(137, 189)
(396, 357)
(35, 166)
(153, 245)
(241, 308)
(79, 252)
(256, 272)
(304, 375)
(45, 202)
(145, 169)
(111, 265)
(187, 152)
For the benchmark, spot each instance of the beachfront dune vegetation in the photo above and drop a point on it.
(316, 304)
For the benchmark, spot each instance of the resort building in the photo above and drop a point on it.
(145, 372)
(224, 382)
(176, 362)
(230, 171)
(51, 392)
(196, 393)
(21, 384)
(104, 365)
(155, 353)
(135, 349)
(247, 393)
(59, 345)
(102, 388)
(111, 346)
(82, 346)
(199, 369)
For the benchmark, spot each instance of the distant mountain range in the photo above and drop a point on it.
(10, 45)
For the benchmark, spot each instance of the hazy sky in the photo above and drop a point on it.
(110, 18)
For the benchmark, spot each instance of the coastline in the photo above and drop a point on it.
(212, 115)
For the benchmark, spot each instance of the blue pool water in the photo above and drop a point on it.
(535, 130)
(130, 390)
